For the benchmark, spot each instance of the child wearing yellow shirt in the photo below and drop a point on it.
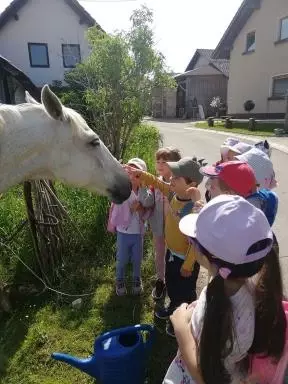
(181, 269)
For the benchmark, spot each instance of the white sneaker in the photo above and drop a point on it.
(137, 287)
(121, 288)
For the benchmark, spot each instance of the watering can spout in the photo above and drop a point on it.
(84, 365)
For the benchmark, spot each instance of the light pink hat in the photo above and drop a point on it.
(227, 227)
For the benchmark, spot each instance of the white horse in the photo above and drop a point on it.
(50, 141)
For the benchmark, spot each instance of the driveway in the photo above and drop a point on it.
(192, 141)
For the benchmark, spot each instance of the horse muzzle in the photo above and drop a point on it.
(120, 191)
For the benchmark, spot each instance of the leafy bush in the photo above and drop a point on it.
(249, 105)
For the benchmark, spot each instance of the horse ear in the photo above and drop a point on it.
(29, 99)
(51, 103)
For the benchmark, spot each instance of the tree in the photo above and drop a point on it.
(218, 105)
(112, 87)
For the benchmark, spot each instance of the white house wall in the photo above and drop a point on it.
(43, 21)
(251, 74)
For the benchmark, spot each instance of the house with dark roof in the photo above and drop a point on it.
(256, 42)
(204, 78)
(44, 38)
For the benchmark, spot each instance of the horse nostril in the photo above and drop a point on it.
(120, 193)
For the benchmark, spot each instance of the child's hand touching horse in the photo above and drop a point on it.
(134, 172)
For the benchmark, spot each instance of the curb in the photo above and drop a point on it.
(253, 139)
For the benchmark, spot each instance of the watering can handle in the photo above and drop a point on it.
(121, 331)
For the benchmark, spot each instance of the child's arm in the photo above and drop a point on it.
(187, 267)
(110, 225)
(147, 179)
(186, 342)
(194, 194)
(146, 197)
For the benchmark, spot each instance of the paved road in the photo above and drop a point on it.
(207, 144)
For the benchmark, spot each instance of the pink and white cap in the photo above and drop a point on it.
(237, 148)
(227, 227)
(228, 143)
(138, 163)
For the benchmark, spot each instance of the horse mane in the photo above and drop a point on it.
(12, 114)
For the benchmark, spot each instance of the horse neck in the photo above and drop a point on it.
(23, 154)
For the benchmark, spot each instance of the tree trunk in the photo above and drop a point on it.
(45, 215)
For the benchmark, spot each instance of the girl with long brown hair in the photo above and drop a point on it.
(232, 317)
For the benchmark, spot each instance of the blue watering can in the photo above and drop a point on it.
(120, 356)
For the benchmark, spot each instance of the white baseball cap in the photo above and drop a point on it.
(262, 166)
(138, 163)
(227, 227)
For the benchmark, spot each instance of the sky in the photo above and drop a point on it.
(180, 26)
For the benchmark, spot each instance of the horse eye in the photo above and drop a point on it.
(95, 142)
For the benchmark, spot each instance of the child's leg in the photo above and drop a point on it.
(171, 277)
(122, 255)
(137, 255)
(159, 246)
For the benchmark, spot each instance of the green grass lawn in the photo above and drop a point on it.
(46, 323)
(242, 128)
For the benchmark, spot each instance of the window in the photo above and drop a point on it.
(251, 42)
(284, 29)
(38, 55)
(280, 86)
(71, 55)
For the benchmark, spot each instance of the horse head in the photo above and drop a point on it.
(71, 151)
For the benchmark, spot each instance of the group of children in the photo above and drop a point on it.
(239, 317)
